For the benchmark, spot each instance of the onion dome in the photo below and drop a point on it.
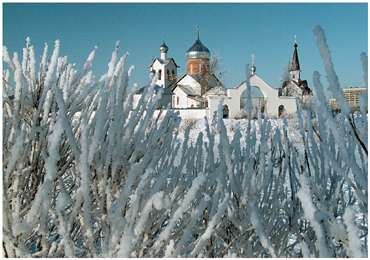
(163, 48)
(198, 50)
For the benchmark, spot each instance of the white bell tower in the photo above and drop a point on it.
(164, 68)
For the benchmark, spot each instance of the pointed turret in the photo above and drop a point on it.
(295, 69)
(295, 60)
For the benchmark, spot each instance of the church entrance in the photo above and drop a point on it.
(225, 112)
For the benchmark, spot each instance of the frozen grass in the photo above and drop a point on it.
(87, 175)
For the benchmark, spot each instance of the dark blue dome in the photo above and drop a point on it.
(198, 46)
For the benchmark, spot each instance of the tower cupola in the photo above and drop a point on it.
(198, 50)
(163, 49)
(253, 65)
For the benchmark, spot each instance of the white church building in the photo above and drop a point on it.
(198, 93)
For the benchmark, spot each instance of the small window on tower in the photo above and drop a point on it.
(178, 100)
(173, 74)
(159, 74)
(168, 74)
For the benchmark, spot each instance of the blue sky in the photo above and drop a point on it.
(231, 31)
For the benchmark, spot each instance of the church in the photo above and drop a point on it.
(199, 92)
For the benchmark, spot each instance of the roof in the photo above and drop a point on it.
(174, 85)
(198, 46)
(166, 61)
(212, 81)
(254, 75)
(219, 90)
(295, 60)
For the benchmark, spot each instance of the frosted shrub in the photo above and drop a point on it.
(189, 123)
(88, 175)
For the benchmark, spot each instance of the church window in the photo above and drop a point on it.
(173, 74)
(159, 74)
(178, 100)
(168, 74)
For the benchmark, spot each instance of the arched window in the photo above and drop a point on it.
(159, 74)
(168, 74)
(173, 74)
(178, 100)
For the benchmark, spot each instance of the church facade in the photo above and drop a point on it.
(199, 92)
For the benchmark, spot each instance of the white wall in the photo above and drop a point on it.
(185, 101)
(178, 93)
(192, 103)
(289, 103)
(231, 102)
(273, 101)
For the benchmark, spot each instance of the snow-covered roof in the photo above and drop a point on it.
(211, 80)
(166, 61)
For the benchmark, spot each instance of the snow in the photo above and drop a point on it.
(354, 246)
